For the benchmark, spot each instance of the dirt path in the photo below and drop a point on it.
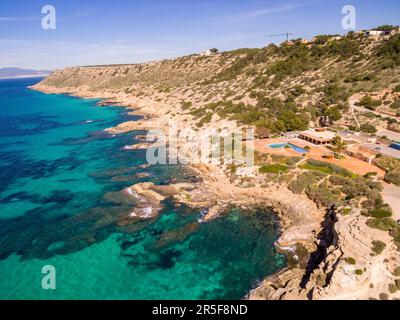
(391, 195)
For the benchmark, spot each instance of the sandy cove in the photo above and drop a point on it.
(306, 230)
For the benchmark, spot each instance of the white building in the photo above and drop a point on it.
(374, 33)
(208, 53)
(319, 137)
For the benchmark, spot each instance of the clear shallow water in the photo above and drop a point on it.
(59, 205)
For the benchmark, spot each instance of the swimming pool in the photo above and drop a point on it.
(287, 145)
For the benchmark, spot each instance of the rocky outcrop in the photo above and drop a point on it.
(148, 198)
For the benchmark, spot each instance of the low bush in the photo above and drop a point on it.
(304, 180)
(368, 128)
(359, 272)
(273, 168)
(389, 51)
(326, 167)
(206, 119)
(369, 103)
(395, 104)
(385, 224)
(346, 211)
(339, 180)
(378, 246)
(186, 104)
(380, 213)
(393, 177)
(291, 161)
(396, 272)
(323, 195)
(393, 288)
(350, 260)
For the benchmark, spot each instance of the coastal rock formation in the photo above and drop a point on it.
(148, 199)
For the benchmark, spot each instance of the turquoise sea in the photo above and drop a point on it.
(60, 175)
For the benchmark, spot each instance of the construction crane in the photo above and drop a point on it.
(280, 35)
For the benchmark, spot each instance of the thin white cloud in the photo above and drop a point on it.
(11, 19)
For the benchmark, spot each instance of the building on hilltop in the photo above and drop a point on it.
(374, 33)
(210, 52)
(390, 31)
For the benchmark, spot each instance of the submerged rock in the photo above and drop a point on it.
(139, 146)
(142, 175)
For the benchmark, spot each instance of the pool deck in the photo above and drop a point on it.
(317, 153)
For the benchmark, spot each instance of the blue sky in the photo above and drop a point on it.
(129, 31)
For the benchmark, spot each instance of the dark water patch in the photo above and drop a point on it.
(91, 137)
(31, 234)
(60, 197)
(25, 125)
(17, 166)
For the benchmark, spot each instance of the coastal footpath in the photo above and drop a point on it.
(333, 249)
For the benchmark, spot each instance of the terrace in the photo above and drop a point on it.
(381, 149)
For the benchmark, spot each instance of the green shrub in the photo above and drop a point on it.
(206, 119)
(346, 211)
(384, 224)
(326, 167)
(340, 181)
(359, 272)
(392, 288)
(291, 161)
(370, 175)
(186, 104)
(273, 168)
(368, 128)
(369, 103)
(313, 167)
(304, 180)
(393, 177)
(397, 88)
(396, 272)
(350, 260)
(378, 246)
(380, 213)
(389, 51)
(323, 195)
(395, 104)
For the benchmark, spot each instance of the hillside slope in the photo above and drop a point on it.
(278, 88)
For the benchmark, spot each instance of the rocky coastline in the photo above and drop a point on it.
(316, 242)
